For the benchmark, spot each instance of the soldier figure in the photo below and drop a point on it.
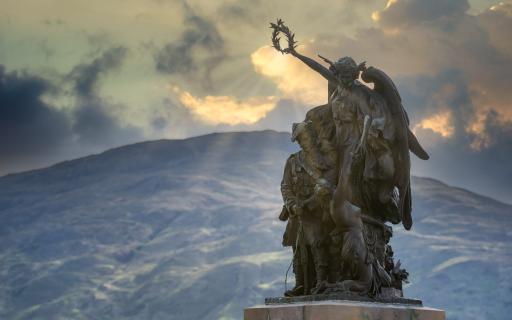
(306, 231)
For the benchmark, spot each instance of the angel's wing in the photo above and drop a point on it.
(405, 139)
(385, 86)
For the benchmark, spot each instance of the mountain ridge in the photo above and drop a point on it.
(199, 137)
(188, 229)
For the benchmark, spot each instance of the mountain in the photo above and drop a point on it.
(188, 229)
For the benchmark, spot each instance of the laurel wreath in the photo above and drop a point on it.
(279, 28)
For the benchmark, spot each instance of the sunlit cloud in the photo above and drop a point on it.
(481, 138)
(376, 14)
(503, 7)
(481, 128)
(441, 123)
(227, 109)
(293, 78)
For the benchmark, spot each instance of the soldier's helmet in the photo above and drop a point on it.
(299, 128)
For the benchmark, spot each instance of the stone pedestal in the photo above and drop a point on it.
(342, 310)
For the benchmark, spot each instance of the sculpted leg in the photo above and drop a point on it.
(354, 251)
(320, 256)
(298, 290)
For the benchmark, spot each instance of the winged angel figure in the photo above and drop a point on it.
(373, 141)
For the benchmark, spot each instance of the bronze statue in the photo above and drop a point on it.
(363, 137)
(307, 232)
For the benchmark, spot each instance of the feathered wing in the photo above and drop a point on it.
(405, 139)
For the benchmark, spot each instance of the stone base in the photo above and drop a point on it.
(342, 310)
(386, 296)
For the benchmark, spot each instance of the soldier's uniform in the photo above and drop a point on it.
(298, 191)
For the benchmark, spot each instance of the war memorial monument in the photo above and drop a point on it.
(342, 192)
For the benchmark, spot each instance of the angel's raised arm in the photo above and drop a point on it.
(326, 73)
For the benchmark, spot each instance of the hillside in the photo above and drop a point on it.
(188, 229)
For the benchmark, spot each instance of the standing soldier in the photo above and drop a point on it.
(302, 189)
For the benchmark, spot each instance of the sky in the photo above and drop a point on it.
(80, 77)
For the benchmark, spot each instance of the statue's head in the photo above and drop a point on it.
(346, 70)
(300, 132)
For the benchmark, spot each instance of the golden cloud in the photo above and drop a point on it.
(376, 14)
(478, 128)
(293, 78)
(503, 7)
(227, 109)
(441, 123)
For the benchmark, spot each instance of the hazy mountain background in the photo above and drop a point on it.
(188, 229)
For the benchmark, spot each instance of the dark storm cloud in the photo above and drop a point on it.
(28, 125)
(93, 120)
(199, 48)
(95, 124)
(486, 171)
(180, 56)
(85, 76)
(32, 129)
(426, 95)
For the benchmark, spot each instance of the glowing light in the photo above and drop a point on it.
(227, 109)
(481, 138)
(376, 16)
(505, 8)
(390, 3)
(440, 123)
(293, 78)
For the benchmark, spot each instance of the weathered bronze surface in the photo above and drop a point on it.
(350, 179)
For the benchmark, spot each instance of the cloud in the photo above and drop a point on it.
(451, 69)
(466, 147)
(242, 12)
(445, 97)
(404, 13)
(94, 121)
(437, 45)
(285, 113)
(440, 123)
(460, 160)
(28, 125)
(476, 45)
(297, 84)
(199, 49)
(293, 78)
(85, 76)
(175, 121)
(497, 21)
(33, 130)
(227, 109)
(451, 63)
